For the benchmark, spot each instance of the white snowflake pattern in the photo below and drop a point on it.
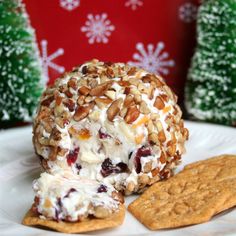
(154, 60)
(69, 5)
(188, 12)
(47, 60)
(98, 28)
(134, 4)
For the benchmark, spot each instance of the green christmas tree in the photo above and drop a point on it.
(20, 67)
(210, 93)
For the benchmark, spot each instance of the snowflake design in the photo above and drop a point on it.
(188, 12)
(69, 5)
(47, 60)
(98, 28)
(154, 60)
(134, 4)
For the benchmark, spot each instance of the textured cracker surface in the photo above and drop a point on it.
(193, 196)
(32, 219)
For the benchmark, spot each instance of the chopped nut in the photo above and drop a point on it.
(82, 112)
(134, 91)
(132, 114)
(84, 90)
(144, 108)
(142, 88)
(72, 83)
(130, 187)
(159, 104)
(43, 141)
(150, 126)
(111, 94)
(134, 81)
(131, 71)
(88, 99)
(69, 103)
(102, 102)
(110, 73)
(46, 102)
(95, 115)
(154, 116)
(123, 83)
(129, 101)
(171, 148)
(155, 171)
(101, 212)
(117, 196)
(164, 97)
(48, 124)
(144, 179)
(137, 98)
(81, 100)
(93, 83)
(161, 136)
(58, 100)
(123, 112)
(114, 109)
(170, 93)
(63, 88)
(53, 154)
(100, 89)
(62, 151)
(147, 167)
(153, 138)
(152, 78)
(186, 133)
(163, 158)
(68, 93)
(55, 134)
(151, 91)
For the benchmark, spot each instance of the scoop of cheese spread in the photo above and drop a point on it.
(64, 196)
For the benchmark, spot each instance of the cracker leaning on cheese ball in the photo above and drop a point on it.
(110, 122)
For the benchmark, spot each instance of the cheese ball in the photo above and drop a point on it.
(110, 122)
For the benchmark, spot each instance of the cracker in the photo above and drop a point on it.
(32, 219)
(193, 196)
(214, 160)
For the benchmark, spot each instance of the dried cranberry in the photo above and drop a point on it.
(141, 152)
(102, 189)
(69, 192)
(78, 167)
(108, 168)
(103, 135)
(121, 167)
(72, 156)
(144, 151)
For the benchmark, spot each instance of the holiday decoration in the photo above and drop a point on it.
(158, 36)
(20, 68)
(211, 86)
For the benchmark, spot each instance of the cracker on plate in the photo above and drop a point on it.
(32, 219)
(193, 196)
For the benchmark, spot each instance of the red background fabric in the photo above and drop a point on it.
(170, 24)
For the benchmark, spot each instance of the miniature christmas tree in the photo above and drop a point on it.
(20, 67)
(211, 86)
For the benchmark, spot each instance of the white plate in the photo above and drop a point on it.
(19, 166)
